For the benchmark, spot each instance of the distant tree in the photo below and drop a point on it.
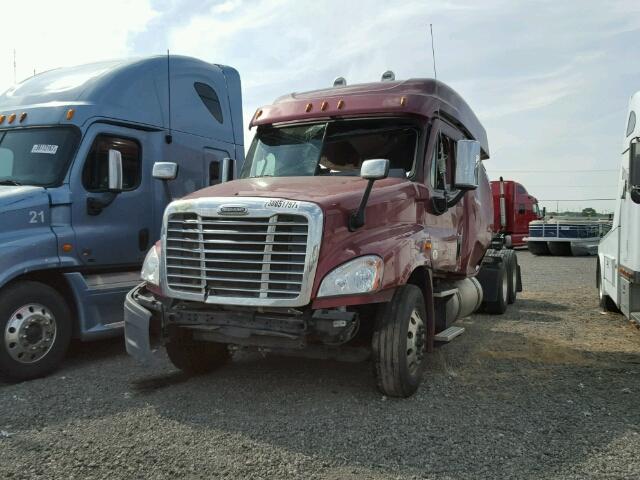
(588, 212)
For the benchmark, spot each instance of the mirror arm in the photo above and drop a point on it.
(357, 218)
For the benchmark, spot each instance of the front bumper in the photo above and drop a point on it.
(141, 314)
(147, 319)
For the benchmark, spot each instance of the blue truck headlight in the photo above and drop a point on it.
(151, 267)
(361, 275)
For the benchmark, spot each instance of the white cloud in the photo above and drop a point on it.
(48, 34)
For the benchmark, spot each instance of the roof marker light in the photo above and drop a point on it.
(2, 117)
(403, 101)
(12, 117)
(340, 104)
(70, 113)
(308, 107)
(323, 106)
(258, 113)
(23, 115)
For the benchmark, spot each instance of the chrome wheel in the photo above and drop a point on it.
(30, 333)
(415, 342)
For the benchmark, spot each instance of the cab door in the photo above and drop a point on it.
(445, 211)
(112, 228)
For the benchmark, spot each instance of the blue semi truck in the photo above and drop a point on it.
(89, 158)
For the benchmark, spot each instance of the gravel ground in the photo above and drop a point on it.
(549, 390)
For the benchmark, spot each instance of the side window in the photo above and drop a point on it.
(95, 175)
(214, 173)
(520, 189)
(210, 99)
(442, 163)
(522, 209)
(536, 210)
(631, 125)
(6, 162)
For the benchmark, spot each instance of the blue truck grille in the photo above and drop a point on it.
(240, 257)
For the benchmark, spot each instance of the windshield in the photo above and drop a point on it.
(331, 148)
(36, 156)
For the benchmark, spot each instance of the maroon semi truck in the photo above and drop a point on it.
(513, 209)
(360, 226)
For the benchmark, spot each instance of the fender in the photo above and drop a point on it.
(403, 248)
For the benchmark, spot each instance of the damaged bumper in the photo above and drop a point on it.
(141, 316)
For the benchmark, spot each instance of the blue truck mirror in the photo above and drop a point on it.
(165, 170)
(228, 169)
(115, 171)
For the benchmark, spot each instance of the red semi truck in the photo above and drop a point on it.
(513, 209)
(360, 226)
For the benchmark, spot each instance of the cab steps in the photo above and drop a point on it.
(635, 318)
(448, 334)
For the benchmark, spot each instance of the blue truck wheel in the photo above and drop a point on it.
(35, 323)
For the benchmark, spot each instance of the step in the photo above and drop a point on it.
(635, 317)
(449, 334)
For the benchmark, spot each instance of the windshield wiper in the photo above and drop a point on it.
(7, 181)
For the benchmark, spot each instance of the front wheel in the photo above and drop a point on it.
(35, 322)
(399, 342)
(195, 357)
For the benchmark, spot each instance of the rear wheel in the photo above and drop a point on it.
(511, 261)
(499, 305)
(195, 357)
(399, 342)
(35, 322)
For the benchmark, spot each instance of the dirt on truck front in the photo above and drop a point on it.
(352, 233)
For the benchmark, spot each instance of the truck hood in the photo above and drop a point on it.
(327, 192)
(13, 198)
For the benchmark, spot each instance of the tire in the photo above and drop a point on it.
(499, 306)
(511, 261)
(399, 341)
(195, 357)
(36, 326)
(604, 300)
(538, 248)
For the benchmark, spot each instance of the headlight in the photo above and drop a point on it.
(362, 275)
(151, 267)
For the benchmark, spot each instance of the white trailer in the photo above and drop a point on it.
(618, 273)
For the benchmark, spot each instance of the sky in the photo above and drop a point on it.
(549, 80)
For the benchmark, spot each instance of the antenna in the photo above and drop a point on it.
(14, 65)
(169, 138)
(438, 144)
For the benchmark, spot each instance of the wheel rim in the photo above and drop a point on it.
(30, 333)
(415, 343)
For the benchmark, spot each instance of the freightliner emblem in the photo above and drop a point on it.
(232, 210)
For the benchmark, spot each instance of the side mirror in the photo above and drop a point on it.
(375, 169)
(371, 170)
(467, 161)
(165, 170)
(228, 169)
(634, 171)
(544, 212)
(115, 171)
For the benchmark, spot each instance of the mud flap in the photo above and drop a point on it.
(136, 329)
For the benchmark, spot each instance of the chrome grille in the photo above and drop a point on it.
(261, 257)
